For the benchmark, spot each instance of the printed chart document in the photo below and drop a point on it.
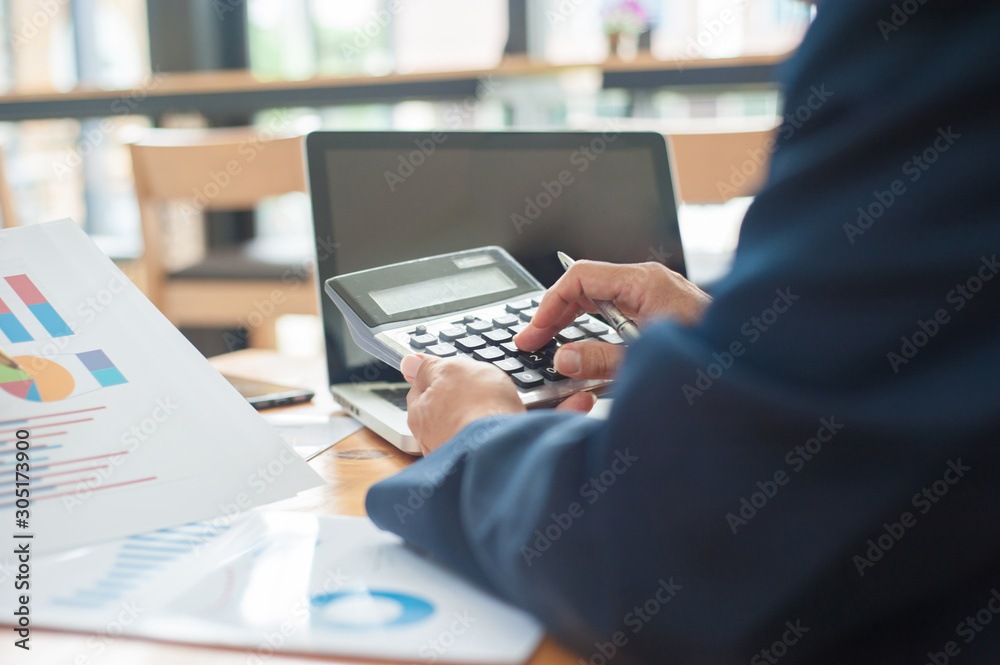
(279, 582)
(125, 426)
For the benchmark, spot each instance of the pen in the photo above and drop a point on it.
(7, 361)
(623, 325)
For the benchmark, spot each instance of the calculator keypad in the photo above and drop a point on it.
(451, 333)
(509, 365)
(497, 336)
(551, 374)
(571, 334)
(534, 360)
(510, 348)
(470, 343)
(612, 338)
(488, 354)
(478, 327)
(487, 336)
(418, 341)
(442, 350)
(593, 328)
(528, 378)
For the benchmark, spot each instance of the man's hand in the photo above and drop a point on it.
(642, 291)
(449, 393)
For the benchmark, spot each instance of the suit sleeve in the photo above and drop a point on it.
(811, 471)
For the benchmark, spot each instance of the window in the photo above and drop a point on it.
(301, 38)
(71, 168)
(567, 31)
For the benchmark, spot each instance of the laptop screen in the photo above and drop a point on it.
(384, 197)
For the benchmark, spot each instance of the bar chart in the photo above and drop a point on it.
(57, 471)
(26, 314)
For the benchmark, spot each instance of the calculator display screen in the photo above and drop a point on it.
(434, 286)
(442, 290)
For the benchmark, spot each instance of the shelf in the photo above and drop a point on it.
(242, 92)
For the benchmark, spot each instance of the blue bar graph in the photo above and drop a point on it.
(11, 326)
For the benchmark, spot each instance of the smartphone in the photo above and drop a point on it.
(265, 395)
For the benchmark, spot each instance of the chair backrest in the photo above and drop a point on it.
(8, 211)
(714, 168)
(208, 169)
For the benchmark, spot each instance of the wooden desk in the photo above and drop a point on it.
(350, 468)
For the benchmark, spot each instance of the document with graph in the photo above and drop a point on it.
(111, 423)
(278, 582)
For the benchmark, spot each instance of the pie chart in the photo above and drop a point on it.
(366, 610)
(38, 380)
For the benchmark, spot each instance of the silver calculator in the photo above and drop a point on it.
(469, 303)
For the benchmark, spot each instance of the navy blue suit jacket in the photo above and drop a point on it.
(810, 475)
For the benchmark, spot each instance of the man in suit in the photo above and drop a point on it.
(805, 469)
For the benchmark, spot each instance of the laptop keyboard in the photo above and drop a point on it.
(395, 396)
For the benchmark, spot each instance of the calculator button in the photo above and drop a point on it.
(442, 350)
(497, 336)
(582, 319)
(420, 341)
(551, 374)
(518, 305)
(535, 302)
(534, 360)
(488, 354)
(452, 333)
(518, 328)
(593, 328)
(420, 330)
(469, 318)
(571, 334)
(470, 343)
(478, 327)
(612, 338)
(527, 379)
(526, 314)
(505, 321)
(509, 365)
(510, 349)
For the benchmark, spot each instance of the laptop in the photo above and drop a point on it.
(386, 197)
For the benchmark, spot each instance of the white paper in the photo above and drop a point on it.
(311, 434)
(285, 582)
(100, 588)
(135, 430)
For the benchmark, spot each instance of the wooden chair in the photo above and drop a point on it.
(214, 170)
(714, 168)
(8, 213)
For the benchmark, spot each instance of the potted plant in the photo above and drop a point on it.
(624, 21)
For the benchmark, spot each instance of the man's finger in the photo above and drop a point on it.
(533, 338)
(574, 293)
(589, 360)
(409, 366)
(583, 282)
(418, 370)
(412, 395)
(581, 402)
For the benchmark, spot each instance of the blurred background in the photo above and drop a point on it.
(79, 79)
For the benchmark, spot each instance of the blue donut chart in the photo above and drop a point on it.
(413, 609)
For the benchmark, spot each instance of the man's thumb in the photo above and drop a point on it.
(589, 360)
(411, 365)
